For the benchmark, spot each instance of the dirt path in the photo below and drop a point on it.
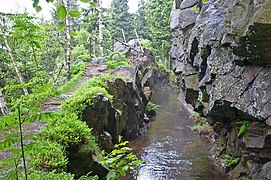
(53, 104)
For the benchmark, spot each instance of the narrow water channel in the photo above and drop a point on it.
(170, 148)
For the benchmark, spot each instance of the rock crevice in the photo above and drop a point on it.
(222, 58)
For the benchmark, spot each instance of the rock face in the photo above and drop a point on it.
(222, 55)
(126, 114)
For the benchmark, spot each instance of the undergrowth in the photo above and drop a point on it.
(117, 59)
(120, 160)
(47, 152)
(83, 97)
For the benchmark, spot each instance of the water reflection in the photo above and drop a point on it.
(171, 149)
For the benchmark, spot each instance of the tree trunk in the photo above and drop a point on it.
(3, 106)
(68, 6)
(100, 9)
(13, 58)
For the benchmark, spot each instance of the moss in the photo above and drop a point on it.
(117, 59)
(230, 161)
(83, 97)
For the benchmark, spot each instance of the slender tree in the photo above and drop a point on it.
(3, 27)
(100, 9)
(68, 6)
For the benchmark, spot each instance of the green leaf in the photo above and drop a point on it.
(36, 3)
(49, 1)
(84, 1)
(38, 8)
(61, 13)
(74, 34)
(93, 5)
(75, 13)
(61, 28)
(243, 128)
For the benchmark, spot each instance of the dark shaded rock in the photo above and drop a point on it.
(128, 72)
(81, 162)
(266, 171)
(188, 4)
(222, 56)
(255, 46)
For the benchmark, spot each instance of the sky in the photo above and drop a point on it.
(12, 6)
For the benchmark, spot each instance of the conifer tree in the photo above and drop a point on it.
(140, 20)
(158, 22)
(121, 19)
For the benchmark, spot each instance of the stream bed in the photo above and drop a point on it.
(170, 148)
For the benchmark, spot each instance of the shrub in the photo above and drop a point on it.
(81, 100)
(69, 131)
(79, 52)
(36, 175)
(48, 156)
(116, 59)
(120, 160)
(77, 68)
(83, 97)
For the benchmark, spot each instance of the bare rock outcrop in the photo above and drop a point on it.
(222, 56)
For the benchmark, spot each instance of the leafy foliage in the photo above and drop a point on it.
(50, 175)
(83, 97)
(230, 161)
(79, 52)
(117, 59)
(68, 131)
(243, 128)
(48, 156)
(120, 160)
(151, 106)
(88, 177)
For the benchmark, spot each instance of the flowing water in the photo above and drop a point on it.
(170, 148)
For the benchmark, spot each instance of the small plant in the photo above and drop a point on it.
(49, 176)
(79, 52)
(196, 8)
(243, 128)
(230, 161)
(89, 177)
(201, 125)
(77, 68)
(116, 59)
(151, 106)
(120, 160)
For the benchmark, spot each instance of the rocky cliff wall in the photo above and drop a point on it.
(222, 56)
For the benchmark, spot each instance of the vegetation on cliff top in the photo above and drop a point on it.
(40, 60)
